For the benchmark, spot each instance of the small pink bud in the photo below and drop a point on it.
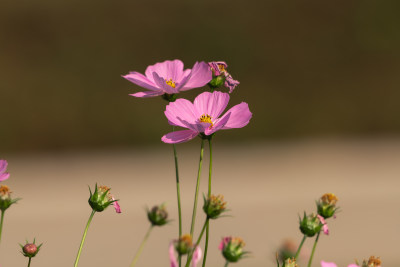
(30, 249)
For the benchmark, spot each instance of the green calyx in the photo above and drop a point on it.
(5, 198)
(310, 225)
(233, 250)
(216, 82)
(326, 210)
(214, 206)
(100, 199)
(158, 215)
(169, 97)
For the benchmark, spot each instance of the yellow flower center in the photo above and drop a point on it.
(171, 83)
(206, 118)
(329, 198)
(221, 68)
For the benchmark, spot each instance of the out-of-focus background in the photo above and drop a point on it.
(321, 79)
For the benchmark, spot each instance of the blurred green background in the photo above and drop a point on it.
(307, 68)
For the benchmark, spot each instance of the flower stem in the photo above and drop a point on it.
(29, 262)
(226, 264)
(178, 195)
(83, 238)
(313, 250)
(135, 259)
(209, 195)
(197, 188)
(198, 241)
(301, 245)
(1, 223)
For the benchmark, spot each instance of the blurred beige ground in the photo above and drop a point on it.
(267, 185)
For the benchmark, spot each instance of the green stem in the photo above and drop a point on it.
(83, 238)
(226, 264)
(29, 262)
(209, 195)
(198, 241)
(197, 188)
(313, 250)
(1, 223)
(135, 259)
(178, 195)
(301, 245)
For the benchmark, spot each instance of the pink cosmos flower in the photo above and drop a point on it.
(197, 254)
(169, 77)
(203, 116)
(325, 227)
(219, 68)
(332, 264)
(3, 174)
(116, 206)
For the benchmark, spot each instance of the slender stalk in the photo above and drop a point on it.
(178, 195)
(83, 238)
(209, 195)
(29, 262)
(313, 250)
(1, 223)
(135, 259)
(226, 264)
(197, 188)
(198, 240)
(299, 248)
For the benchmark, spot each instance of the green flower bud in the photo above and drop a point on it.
(232, 248)
(158, 215)
(214, 206)
(101, 198)
(30, 249)
(290, 263)
(184, 244)
(310, 225)
(217, 81)
(5, 198)
(169, 97)
(326, 205)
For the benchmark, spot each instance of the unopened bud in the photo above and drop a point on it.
(214, 206)
(184, 244)
(372, 262)
(310, 225)
(232, 248)
(158, 215)
(5, 198)
(101, 198)
(291, 262)
(326, 205)
(30, 249)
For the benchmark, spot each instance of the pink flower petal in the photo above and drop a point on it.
(325, 227)
(219, 124)
(141, 80)
(197, 254)
(147, 94)
(3, 165)
(172, 259)
(201, 75)
(4, 176)
(239, 116)
(116, 206)
(169, 69)
(212, 104)
(181, 111)
(179, 136)
(328, 264)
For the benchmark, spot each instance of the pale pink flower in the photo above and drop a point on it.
(169, 77)
(197, 254)
(325, 227)
(203, 116)
(3, 167)
(332, 264)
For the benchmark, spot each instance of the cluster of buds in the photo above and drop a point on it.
(5, 198)
(30, 249)
(372, 262)
(221, 76)
(310, 225)
(214, 206)
(158, 215)
(232, 248)
(326, 205)
(101, 199)
(184, 244)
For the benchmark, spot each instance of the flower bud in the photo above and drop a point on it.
(158, 215)
(101, 198)
(214, 206)
(5, 198)
(184, 244)
(291, 262)
(30, 249)
(310, 225)
(372, 262)
(326, 205)
(232, 248)
(221, 76)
